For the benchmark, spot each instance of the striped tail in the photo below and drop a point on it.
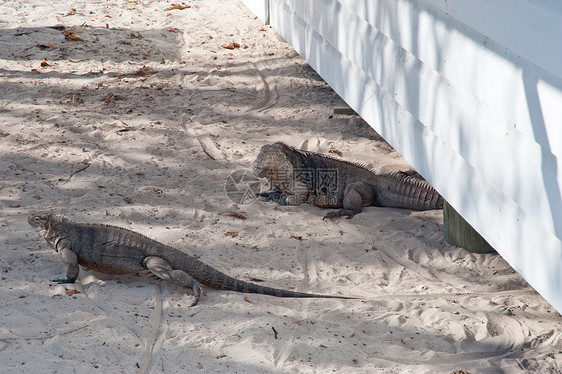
(220, 281)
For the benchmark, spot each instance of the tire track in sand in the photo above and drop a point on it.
(282, 352)
(150, 359)
(268, 85)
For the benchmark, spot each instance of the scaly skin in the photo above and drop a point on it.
(297, 177)
(115, 250)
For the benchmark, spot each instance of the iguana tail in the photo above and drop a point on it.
(220, 281)
(403, 191)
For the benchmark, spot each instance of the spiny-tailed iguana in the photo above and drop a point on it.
(297, 177)
(115, 250)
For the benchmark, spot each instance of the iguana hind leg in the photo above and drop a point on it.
(163, 270)
(356, 196)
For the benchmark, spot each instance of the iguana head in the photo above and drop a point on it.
(272, 160)
(47, 226)
(39, 222)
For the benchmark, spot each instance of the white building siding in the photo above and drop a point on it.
(470, 93)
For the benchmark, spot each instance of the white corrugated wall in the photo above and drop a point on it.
(470, 93)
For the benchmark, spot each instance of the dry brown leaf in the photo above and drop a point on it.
(109, 98)
(145, 70)
(230, 45)
(222, 355)
(70, 291)
(181, 6)
(76, 100)
(47, 46)
(71, 12)
(335, 151)
(232, 234)
(298, 237)
(69, 35)
(232, 214)
(44, 63)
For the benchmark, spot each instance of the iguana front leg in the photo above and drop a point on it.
(70, 259)
(356, 196)
(163, 270)
(273, 196)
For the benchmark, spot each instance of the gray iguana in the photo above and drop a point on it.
(115, 250)
(297, 177)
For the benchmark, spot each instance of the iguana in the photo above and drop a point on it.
(115, 250)
(297, 177)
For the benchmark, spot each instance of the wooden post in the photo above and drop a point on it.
(459, 233)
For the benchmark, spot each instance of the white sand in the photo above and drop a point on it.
(144, 100)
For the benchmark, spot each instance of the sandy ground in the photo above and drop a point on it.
(134, 115)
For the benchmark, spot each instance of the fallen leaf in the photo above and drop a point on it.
(76, 100)
(109, 98)
(47, 46)
(44, 63)
(335, 151)
(298, 237)
(222, 355)
(71, 12)
(69, 35)
(181, 6)
(230, 45)
(232, 214)
(128, 200)
(145, 70)
(232, 234)
(247, 300)
(256, 280)
(70, 291)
